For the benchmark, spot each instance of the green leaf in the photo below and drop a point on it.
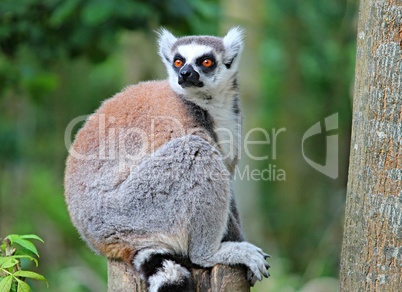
(3, 259)
(5, 284)
(31, 236)
(24, 243)
(22, 286)
(29, 274)
(8, 263)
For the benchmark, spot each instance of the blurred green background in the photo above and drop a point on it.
(61, 59)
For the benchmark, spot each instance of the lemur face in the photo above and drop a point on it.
(201, 64)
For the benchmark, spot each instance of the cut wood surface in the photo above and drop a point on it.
(123, 278)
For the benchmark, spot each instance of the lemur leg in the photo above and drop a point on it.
(205, 250)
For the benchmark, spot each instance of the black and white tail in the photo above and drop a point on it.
(163, 271)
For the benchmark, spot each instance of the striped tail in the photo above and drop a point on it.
(163, 271)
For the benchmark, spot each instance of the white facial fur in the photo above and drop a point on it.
(228, 52)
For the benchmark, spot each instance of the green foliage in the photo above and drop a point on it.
(87, 27)
(14, 248)
(307, 54)
(36, 34)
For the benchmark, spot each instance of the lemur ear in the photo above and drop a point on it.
(233, 42)
(165, 41)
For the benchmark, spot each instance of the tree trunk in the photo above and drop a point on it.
(372, 245)
(123, 278)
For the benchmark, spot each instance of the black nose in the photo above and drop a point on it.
(189, 77)
(186, 73)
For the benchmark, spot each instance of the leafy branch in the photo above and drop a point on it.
(13, 249)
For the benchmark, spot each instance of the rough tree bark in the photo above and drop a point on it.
(372, 245)
(122, 278)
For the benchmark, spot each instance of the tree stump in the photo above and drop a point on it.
(123, 278)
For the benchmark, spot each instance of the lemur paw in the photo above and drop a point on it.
(256, 263)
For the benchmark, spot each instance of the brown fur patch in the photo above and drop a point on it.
(119, 251)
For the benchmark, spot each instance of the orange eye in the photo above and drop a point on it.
(207, 63)
(178, 63)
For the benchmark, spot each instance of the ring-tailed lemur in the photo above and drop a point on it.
(148, 178)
